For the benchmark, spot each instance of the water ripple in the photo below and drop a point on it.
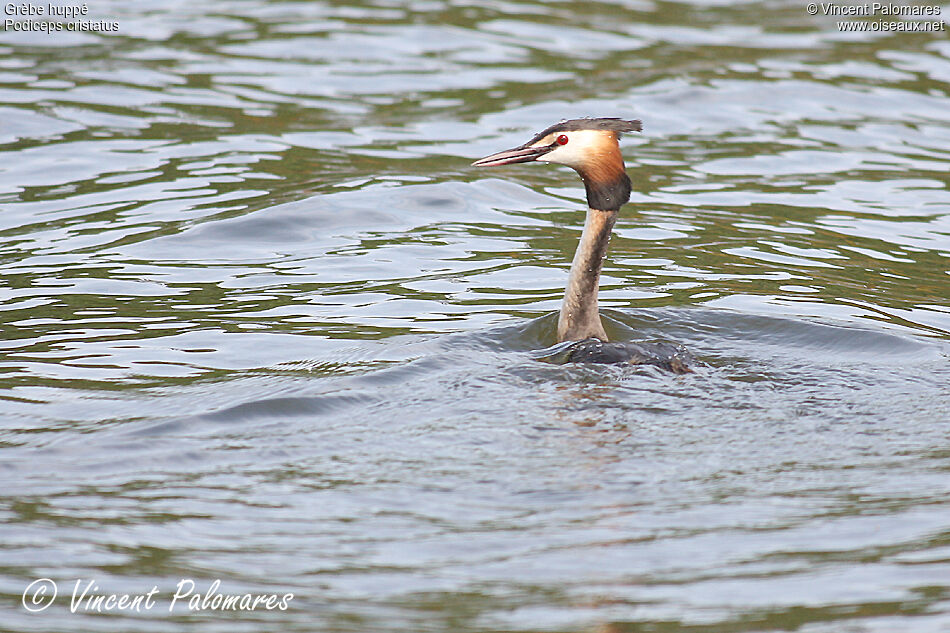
(263, 323)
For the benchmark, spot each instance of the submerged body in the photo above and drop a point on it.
(591, 147)
(664, 355)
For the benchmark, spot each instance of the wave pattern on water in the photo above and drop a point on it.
(263, 323)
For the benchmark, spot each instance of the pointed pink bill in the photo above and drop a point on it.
(511, 156)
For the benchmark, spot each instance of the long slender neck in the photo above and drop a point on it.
(579, 317)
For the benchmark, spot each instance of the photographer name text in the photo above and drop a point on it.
(86, 597)
(918, 14)
(869, 9)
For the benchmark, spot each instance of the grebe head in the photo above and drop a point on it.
(589, 146)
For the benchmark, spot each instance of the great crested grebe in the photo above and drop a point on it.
(591, 148)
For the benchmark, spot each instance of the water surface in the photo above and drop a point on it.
(263, 324)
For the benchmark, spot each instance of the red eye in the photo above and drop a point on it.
(562, 139)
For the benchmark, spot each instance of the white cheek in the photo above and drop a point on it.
(564, 154)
